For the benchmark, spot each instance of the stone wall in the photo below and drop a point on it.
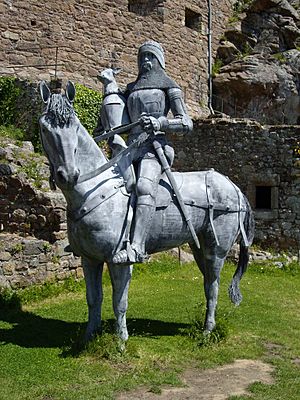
(84, 37)
(263, 160)
(33, 220)
(33, 230)
(25, 261)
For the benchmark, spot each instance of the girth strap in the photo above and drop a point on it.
(241, 222)
(210, 208)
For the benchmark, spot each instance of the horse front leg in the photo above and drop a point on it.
(93, 280)
(120, 278)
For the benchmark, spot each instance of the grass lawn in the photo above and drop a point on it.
(38, 357)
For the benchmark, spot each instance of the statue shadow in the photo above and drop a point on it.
(29, 330)
(154, 328)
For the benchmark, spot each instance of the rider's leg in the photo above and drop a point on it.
(149, 173)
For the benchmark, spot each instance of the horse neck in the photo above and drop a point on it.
(89, 157)
(110, 88)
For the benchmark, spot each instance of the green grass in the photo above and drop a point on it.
(42, 357)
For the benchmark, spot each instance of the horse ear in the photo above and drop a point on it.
(45, 92)
(70, 91)
(116, 71)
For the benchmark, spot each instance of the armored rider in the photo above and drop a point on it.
(149, 99)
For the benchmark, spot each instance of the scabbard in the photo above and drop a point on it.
(166, 167)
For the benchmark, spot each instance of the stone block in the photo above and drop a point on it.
(11, 35)
(45, 257)
(41, 220)
(21, 266)
(6, 170)
(117, 35)
(3, 190)
(59, 235)
(20, 282)
(17, 59)
(52, 266)
(5, 256)
(33, 247)
(8, 268)
(32, 219)
(79, 273)
(34, 263)
(19, 215)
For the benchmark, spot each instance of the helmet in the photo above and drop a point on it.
(155, 48)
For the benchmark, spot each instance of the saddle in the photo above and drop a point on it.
(208, 193)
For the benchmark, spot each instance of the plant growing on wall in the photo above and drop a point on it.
(238, 8)
(216, 67)
(20, 108)
(9, 93)
(87, 105)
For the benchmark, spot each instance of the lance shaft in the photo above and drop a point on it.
(114, 131)
(166, 167)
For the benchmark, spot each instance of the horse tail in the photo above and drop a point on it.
(249, 225)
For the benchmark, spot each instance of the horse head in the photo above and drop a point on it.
(107, 76)
(59, 125)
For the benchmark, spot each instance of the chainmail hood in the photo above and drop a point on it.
(155, 48)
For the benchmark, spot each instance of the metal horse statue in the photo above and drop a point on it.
(98, 203)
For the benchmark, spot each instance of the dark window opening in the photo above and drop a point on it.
(193, 20)
(263, 197)
(146, 7)
(33, 22)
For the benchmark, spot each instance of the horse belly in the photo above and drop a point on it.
(169, 229)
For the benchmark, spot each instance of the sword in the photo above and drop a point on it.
(164, 162)
(114, 131)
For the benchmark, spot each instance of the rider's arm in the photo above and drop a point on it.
(181, 122)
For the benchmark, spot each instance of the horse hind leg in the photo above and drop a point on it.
(120, 279)
(94, 296)
(210, 266)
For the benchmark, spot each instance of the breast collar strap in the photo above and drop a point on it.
(94, 202)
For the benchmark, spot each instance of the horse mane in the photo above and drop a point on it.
(60, 110)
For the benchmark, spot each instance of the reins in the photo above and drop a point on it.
(89, 175)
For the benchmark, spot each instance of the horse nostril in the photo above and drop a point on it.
(61, 176)
(76, 174)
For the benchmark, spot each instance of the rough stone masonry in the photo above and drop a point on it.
(33, 221)
(74, 40)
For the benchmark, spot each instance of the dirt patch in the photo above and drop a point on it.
(296, 361)
(212, 384)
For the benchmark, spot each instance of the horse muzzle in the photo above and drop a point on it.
(67, 178)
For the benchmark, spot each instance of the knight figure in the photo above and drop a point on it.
(148, 100)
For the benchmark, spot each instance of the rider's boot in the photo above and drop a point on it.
(135, 253)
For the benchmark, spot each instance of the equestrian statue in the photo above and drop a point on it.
(121, 210)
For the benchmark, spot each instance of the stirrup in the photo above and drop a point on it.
(129, 256)
(121, 258)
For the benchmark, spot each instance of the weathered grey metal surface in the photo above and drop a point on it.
(114, 110)
(100, 232)
(147, 101)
